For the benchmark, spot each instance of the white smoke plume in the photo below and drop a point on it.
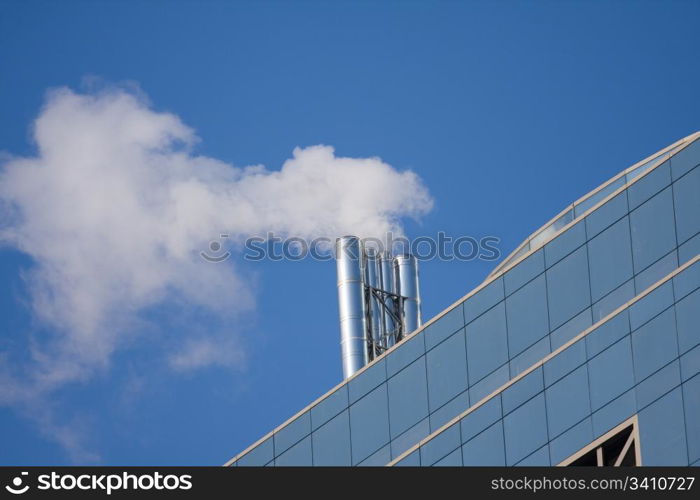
(115, 207)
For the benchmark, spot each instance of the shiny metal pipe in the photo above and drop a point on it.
(388, 284)
(373, 279)
(351, 304)
(406, 267)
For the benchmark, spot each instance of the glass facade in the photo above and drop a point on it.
(547, 355)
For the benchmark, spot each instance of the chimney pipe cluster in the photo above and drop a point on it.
(378, 301)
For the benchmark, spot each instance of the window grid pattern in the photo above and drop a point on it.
(665, 398)
(498, 332)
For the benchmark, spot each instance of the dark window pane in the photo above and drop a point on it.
(481, 418)
(440, 417)
(447, 370)
(653, 231)
(565, 362)
(568, 289)
(608, 333)
(658, 384)
(483, 300)
(686, 195)
(369, 424)
(662, 431)
(406, 353)
(487, 344)
(524, 389)
(485, 448)
(524, 271)
(444, 327)
(292, 432)
(653, 345)
(440, 445)
(614, 413)
(611, 373)
(565, 243)
(610, 255)
(571, 441)
(408, 397)
(297, 455)
(525, 430)
(329, 407)
(331, 442)
(527, 316)
(688, 319)
(567, 401)
(364, 382)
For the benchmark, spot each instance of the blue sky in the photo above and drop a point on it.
(507, 111)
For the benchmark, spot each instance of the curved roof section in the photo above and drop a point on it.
(587, 202)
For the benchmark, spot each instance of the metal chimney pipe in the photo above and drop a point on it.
(373, 277)
(407, 276)
(351, 304)
(388, 282)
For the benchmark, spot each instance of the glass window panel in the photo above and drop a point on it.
(660, 269)
(614, 413)
(331, 442)
(571, 441)
(687, 205)
(444, 327)
(524, 272)
(329, 407)
(689, 249)
(649, 185)
(378, 458)
(487, 343)
(406, 353)
(481, 418)
(447, 370)
(658, 384)
(565, 243)
(369, 424)
(529, 357)
(608, 333)
(610, 373)
(567, 401)
(527, 316)
(650, 305)
(539, 458)
(410, 460)
(292, 433)
(408, 397)
(410, 437)
(260, 455)
(565, 362)
(525, 429)
(653, 231)
(654, 345)
(525, 388)
(454, 459)
(662, 431)
(690, 363)
(645, 167)
(686, 281)
(489, 384)
(613, 300)
(440, 445)
(449, 411)
(297, 455)
(485, 448)
(570, 329)
(606, 215)
(364, 382)
(594, 199)
(685, 160)
(568, 289)
(610, 257)
(483, 300)
(691, 403)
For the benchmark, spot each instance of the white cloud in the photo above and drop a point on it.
(115, 207)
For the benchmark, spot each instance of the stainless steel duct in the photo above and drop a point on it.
(351, 304)
(388, 282)
(373, 277)
(406, 267)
